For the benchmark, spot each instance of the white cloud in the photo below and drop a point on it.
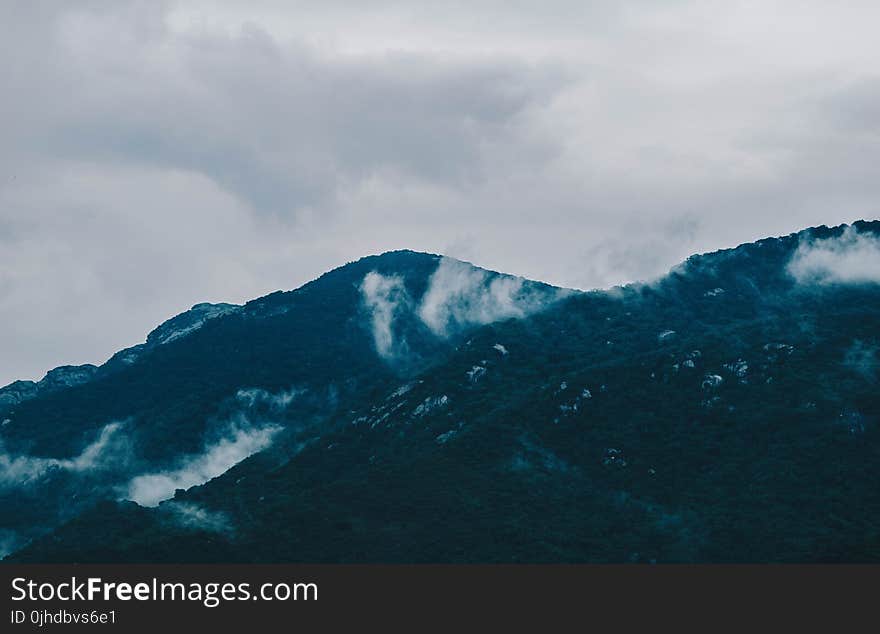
(384, 296)
(21, 470)
(461, 295)
(850, 258)
(150, 489)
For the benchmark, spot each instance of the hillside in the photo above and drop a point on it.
(210, 387)
(406, 408)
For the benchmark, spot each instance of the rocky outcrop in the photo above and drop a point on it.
(188, 322)
(57, 379)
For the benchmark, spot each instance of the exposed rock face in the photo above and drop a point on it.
(738, 368)
(16, 392)
(712, 381)
(59, 378)
(67, 376)
(188, 322)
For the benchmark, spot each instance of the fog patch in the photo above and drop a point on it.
(461, 295)
(851, 258)
(251, 397)
(195, 517)
(384, 297)
(19, 470)
(862, 359)
(238, 444)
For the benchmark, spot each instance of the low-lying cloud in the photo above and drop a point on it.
(21, 470)
(384, 296)
(851, 258)
(240, 443)
(195, 517)
(459, 295)
(252, 397)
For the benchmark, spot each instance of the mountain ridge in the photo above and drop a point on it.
(210, 390)
(817, 232)
(582, 396)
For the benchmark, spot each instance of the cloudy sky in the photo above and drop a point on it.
(155, 155)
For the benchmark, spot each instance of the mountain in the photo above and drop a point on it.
(219, 382)
(412, 408)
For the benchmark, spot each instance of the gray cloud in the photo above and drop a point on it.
(157, 154)
(282, 127)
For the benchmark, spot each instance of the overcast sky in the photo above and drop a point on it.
(154, 155)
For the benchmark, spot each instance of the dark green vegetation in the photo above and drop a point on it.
(593, 433)
(168, 398)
